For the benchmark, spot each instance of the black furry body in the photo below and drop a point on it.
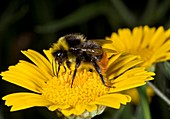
(75, 48)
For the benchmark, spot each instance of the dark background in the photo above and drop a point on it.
(36, 24)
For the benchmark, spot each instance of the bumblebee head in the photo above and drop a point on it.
(60, 56)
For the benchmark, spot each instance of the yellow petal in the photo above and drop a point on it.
(117, 43)
(137, 34)
(39, 60)
(48, 54)
(121, 65)
(26, 75)
(20, 101)
(113, 59)
(58, 106)
(167, 33)
(113, 100)
(131, 78)
(78, 110)
(68, 112)
(162, 49)
(125, 36)
(91, 108)
(155, 41)
(147, 34)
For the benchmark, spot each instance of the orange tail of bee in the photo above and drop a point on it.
(103, 63)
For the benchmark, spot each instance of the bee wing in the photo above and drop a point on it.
(109, 50)
(99, 52)
(101, 41)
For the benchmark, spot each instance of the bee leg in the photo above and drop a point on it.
(53, 67)
(99, 72)
(68, 63)
(78, 61)
(64, 69)
(58, 69)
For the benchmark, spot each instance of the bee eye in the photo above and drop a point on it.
(58, 54)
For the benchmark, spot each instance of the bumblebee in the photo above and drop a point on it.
(75, 48)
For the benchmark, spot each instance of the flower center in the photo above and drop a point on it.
(145, 54)
(86, 87)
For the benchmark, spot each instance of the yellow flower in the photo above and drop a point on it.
(150, 44)
(87, 97)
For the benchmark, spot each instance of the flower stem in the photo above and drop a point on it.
(159, 93)
(144, 102)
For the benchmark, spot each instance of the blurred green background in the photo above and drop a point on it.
(36, 24)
